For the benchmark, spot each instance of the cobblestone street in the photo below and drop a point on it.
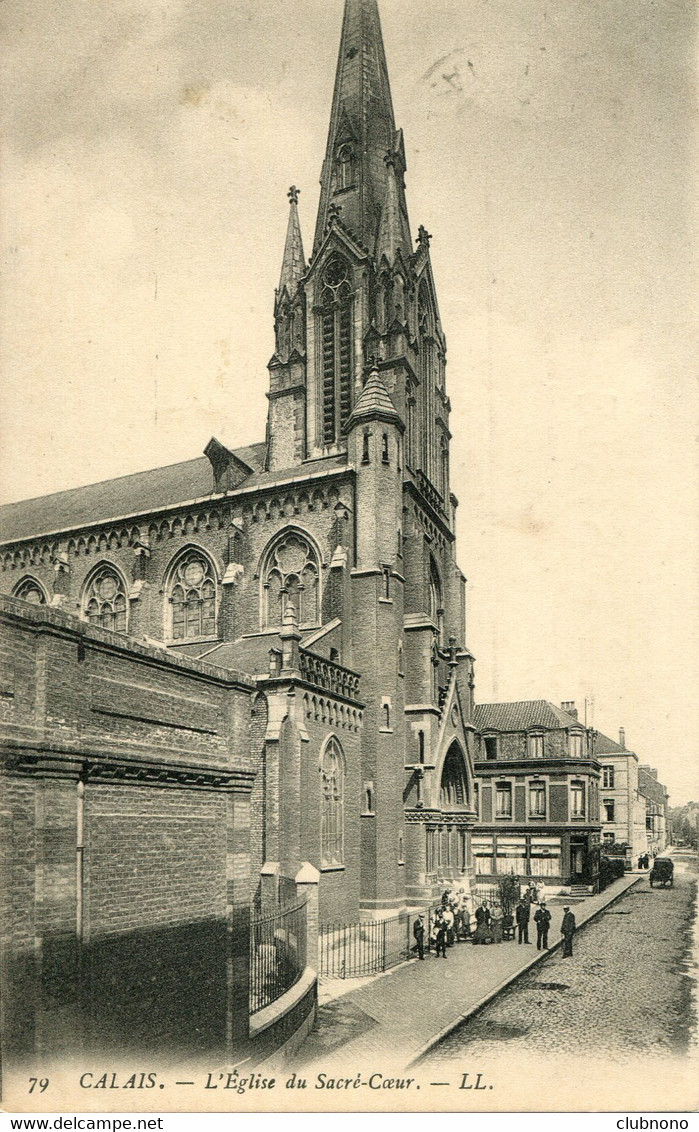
(628, 987)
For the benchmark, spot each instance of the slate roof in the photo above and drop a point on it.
(252, 653)
(522, 715)
(142, 492)
(606, 746)
(374, 398)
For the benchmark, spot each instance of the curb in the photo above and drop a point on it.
(491, 994)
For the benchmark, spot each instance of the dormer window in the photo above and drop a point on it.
(490, 745)
(576, 747)
(536, 746)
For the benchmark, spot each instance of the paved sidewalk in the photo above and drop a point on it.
(405, 1012)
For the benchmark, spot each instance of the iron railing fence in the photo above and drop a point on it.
(349, 951)
(277, 954)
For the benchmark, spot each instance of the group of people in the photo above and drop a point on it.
(451, 921)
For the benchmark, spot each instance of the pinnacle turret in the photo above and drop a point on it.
(393, 229)
(293, 262)
(374, 402)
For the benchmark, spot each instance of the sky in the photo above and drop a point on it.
(551, 148)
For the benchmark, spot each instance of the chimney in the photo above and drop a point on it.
(569, 706)
(622, 738)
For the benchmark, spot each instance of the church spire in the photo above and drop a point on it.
(293, 263)
(362, 131)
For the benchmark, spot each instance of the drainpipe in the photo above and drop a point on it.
(79, 851)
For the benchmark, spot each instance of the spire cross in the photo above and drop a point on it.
(423, 236)
(293, 194)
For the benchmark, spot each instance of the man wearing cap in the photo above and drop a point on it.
(568, 931)
(543, 921)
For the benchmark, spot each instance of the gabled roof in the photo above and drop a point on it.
(606, 746)
(146, 493)
(521, 716)
(114, 499)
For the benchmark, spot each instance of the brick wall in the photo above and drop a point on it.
(147, 756)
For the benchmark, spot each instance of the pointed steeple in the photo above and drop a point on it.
(293, 263)
(362, 131)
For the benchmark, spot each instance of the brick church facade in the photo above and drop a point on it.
(263, 647)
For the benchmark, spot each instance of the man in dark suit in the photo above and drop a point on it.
(522, 914)
(543, 922)
(419, 934)
(568, 931)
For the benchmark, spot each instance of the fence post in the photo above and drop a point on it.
(307, 882)
(269, 887)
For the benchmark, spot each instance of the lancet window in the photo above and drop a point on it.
(193, 597)
(332, 811)
(30, 590)
(104, 599)
(291, 572)
(336, 338)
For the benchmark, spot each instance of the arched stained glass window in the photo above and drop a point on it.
(30, 590)
(104, 599)
(336, 338)
(291, 568)
(453, 791)
(193, 597)
(332, 804)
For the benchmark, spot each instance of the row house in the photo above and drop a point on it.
(655, 797)
(537, 794)
(622, 806)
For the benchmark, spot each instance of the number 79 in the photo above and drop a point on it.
(42, 1082)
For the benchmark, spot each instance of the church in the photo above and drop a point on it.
(256, 659)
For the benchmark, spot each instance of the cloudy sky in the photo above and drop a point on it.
(551, 147)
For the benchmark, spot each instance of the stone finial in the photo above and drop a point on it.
(293, 194)
(423, 237)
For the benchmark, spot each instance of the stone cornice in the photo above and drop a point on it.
(46, 760)
(465, 819)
